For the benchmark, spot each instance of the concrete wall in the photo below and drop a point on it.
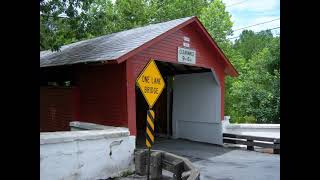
(197, 108)
(94, 154)
(264, 130)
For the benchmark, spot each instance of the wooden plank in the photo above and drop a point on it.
(248, 137)
(167, 166)
(171, 165)
(248, 143)
(178, 170)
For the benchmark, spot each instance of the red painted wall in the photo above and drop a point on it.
(102, 94)
(58, 106)
(166, 50)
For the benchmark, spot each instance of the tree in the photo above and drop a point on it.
(250, 43)
(130, 14)
(217, 21)
(101, 18)
(255, 95)
(62, 22)
(165, 10)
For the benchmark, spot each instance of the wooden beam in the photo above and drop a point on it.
(188, 68)
(174, 69)
(163, 67)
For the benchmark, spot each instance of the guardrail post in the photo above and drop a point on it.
(276, 150)
(250, 148)
(178, 170)
(140, 162)
(155, 168)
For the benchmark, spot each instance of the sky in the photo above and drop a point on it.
(249, 12)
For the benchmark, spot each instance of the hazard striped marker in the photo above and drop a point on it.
(149, 136)
(150, 129)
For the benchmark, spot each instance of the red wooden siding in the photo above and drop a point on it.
(58, 106)
(102, 94)
(166, 50)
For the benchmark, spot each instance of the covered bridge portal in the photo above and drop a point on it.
(94, 81)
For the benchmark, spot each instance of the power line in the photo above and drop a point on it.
(256, 24)
(266, 29)
(237, 3)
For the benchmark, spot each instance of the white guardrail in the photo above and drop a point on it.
(263, 130)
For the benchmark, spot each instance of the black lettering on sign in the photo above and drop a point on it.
(155, 91)
(145, 79)
(146, 89)
(156, 81)
(151, 90)
(185, 52)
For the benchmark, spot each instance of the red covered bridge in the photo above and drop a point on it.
(94, 81)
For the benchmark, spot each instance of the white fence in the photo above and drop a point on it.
(88, 154)
(263, 130)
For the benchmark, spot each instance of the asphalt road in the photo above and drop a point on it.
(221, 163)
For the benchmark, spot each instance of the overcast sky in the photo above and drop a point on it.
(249, 12)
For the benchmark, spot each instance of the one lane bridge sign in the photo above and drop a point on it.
(151, 83)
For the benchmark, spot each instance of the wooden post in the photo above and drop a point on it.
(178, 170)
(276, 150)
(148, 166)
(250, 148)
(155, 168)
(140, 162)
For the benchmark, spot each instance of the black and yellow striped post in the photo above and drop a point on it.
(149, 136)
(150, 129)
(151, 84)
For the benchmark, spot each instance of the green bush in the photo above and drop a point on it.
(244, 120)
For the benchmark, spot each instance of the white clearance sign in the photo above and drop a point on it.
(186, 55)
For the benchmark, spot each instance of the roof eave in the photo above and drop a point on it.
(111, 61)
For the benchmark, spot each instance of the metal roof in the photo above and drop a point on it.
(108, 47)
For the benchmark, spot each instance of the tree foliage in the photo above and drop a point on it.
(250, 43)
(165, 10)
(255, 94)
(217, 21)
(62, 22)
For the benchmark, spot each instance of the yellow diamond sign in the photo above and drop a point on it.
(151, 83)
